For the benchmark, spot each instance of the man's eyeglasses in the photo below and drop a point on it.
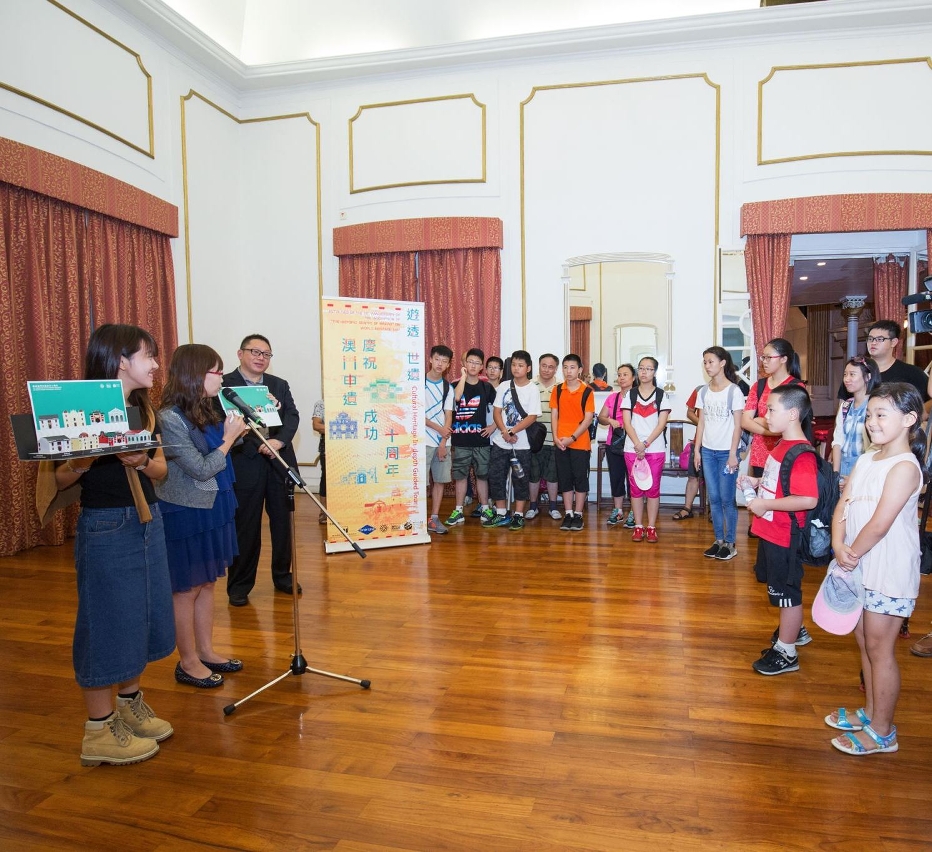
(258, 353)
(474, 363)
(878, 339)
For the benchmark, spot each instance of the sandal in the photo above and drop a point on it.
(682, 514)
(850, 744)
(843, 723)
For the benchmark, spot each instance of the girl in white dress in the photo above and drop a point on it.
(874, 526)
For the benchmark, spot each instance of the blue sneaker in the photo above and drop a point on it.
(498, 520)
(614, 518)
(456, 517)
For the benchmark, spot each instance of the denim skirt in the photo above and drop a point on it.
(125, 618)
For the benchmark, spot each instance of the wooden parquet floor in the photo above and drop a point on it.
(530, 691)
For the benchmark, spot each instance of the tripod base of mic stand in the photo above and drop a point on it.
(298, 667)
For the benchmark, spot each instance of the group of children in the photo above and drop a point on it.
(873, 529)
(483, 425)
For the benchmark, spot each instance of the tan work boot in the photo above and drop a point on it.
(141, 720)
(112, 741)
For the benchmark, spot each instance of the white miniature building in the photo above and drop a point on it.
(116, 415)
(49, 421)
(74, 417)
(138, 436)
(54, 444)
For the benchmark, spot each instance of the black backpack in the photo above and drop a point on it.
(815, 537)
(633, 399)
(594, 425)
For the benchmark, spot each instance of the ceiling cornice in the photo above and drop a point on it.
(706, 30)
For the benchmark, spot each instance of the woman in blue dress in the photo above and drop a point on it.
(198, 506)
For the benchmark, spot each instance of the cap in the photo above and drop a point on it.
(838, 604)
(641, 473)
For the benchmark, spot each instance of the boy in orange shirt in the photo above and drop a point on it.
(573, 408)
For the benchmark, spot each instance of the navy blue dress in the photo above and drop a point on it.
(202, 542)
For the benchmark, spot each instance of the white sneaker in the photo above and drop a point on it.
(556, 514)
(530, 514)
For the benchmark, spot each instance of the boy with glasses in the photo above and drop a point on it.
(471, 431)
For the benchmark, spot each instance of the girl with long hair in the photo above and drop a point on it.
(874, 531)
(718, 434)
(124, 618)
(198, 505)
(850, 439)
(779, 366)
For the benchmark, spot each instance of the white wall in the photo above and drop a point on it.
(632, 166)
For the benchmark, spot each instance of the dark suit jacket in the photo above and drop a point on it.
(288, 413)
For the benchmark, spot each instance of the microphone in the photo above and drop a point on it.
(918, 298)
(245, 409)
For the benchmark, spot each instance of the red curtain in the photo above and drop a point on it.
(580, 331)
(132, 276)
(62, 268)
(390, 275)
(44, 325)
(891, 280)
(767, 261)
(461, 291)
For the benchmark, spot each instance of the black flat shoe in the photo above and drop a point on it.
(228, 667)
(214, 680)
(239, 600)
(286, 590)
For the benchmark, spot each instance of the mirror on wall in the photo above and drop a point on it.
(619, 309)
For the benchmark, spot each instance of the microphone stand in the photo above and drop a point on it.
(299, 664)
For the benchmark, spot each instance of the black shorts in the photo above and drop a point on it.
(572, 470)
(782, 570)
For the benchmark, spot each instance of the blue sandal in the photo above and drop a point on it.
(850, 744)
(843, 723)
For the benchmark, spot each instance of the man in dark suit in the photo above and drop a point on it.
(260, 481)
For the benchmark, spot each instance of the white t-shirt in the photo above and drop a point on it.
(436, 405)
(529, 397)
(719, 414)
(645, 416)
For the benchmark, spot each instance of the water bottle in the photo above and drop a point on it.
(516, 468)
(749, 493)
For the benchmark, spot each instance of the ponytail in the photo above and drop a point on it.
(724, 355)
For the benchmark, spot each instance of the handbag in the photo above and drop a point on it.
(684, 456)
(617, 445)
(536, 432)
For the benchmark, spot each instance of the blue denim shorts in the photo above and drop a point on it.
(125, 618)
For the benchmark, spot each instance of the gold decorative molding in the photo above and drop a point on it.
(184, 171)
(352, 187)
(927, 61)
(150, 151)
(718, 161)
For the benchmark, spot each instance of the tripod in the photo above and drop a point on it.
(299, 664)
